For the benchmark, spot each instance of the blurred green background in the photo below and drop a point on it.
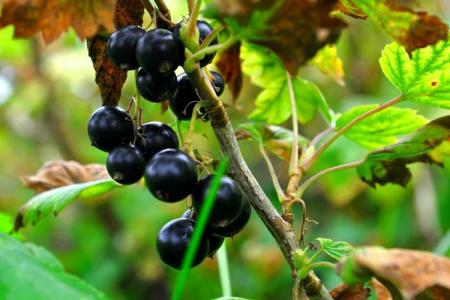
(46, 97)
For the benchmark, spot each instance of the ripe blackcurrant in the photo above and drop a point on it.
(184, 98)
(171, 175)
(173, 240)
(228, 202)
(204, 29)
(125, 164)
(215, 242)
(121, 47)
(110, 126)
(218, 82)
(158, 52)
(237, 225)
(156, 136)
(156, 88)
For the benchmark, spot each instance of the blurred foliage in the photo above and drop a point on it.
(46, 97)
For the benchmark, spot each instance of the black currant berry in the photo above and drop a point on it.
(158, 52)
(121, 47)
(189, 214)
(156, 88)
(218, 82)
(171, 175)
(173, 240)
(237, 225)
(110, 126)
(156, 136)
(228, 202)
(184, 98)
(204, 29)
(215, 242)
(125, 164)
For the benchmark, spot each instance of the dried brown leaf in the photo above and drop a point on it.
(353, 292)
(381, 291)
(53, 17)
(229, 65)
(57, 173)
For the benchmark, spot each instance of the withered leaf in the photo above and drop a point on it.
(108, 76)
(353, 292)
(295, 32)
(53, 17)
(229, 65)
(413, 29)
(429, 144)
(57, 173)
(406, 273)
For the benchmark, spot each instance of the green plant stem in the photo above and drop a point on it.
(273, 174)
(187, 145)
(293, 165)
(306, 165)
(224, 272)
(200, 226)
(211, 36)
(192, 23)
(190, 5)
(189, 63)
(316, 176)
(322, 264)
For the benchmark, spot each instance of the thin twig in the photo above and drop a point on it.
(347, 127)
(273, 174)
(148, 6)
(293, 165)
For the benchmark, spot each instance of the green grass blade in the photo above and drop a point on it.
(202, 219)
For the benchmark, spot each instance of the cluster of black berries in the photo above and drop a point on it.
(158, 52)
(151, 150)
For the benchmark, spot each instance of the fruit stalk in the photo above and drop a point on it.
(240, 172)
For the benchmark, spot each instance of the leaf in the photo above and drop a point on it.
(31, 272)
(276, 139)
(406, 273)
(229, 65)
(295, 31)
(57, 173)
(381, 129)
(334, 249)
(273, 104)
(53, 201)
(411, 29)
(428, 144)
(353, 292)
(422, 78)
(108, 76)
(329, 63)
(53, 17)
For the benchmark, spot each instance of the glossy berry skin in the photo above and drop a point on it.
(228, 202)
(121, 47)
(204, 29)
(156, 88)
(184, 98)
(218, 82)
(156, 136)
(236, 226)
(215, 242)
(158, 52)
(171, 175)
(125, 164)
(173, 240)
(110, 126)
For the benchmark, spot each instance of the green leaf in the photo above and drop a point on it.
(335, 250)
(53, 201)
(424, 77)
(329, 63)
(382, 128)
(430, 144)
(273, 104)
(31, 272)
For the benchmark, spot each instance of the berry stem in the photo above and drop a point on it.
(293, 165)
(307, 164)
(192, 23)
(148, 6)
(273, 174)
(187, 145)
(211, 37)
(224, 271)
(316, 176)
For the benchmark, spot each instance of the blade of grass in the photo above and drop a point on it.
(202, 219)
(224, 272)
